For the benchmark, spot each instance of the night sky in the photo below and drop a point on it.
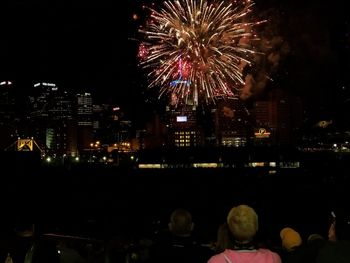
(87, 45)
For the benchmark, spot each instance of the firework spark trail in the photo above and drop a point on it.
(195, 48)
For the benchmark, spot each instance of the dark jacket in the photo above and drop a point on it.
(170, 248)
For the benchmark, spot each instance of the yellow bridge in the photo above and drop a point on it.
(24, 145)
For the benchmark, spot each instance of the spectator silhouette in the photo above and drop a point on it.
(68, 254)
(291, 239)
(223, 239)
(314, 243)
(8, 259)
(337, 248)
(293, 248)
(44, 251)
(27, 246)
(242, 221)
(179, 245)
(303, 253)
(21, 240)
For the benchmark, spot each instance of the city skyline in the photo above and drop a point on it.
(86, 46)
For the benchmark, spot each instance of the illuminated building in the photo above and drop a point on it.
(154, 136)
(7, 114)
(84, 117)
(232, 123)
(280, 115)
(183, 127)
(7, 102)
(51, 114)
(110, 124)
(84, 109)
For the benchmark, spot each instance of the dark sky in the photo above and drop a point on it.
(77, 44)
(86, 45)
(318, 63)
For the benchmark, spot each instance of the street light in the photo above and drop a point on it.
(90, 157)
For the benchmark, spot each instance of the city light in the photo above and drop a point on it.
(5, 83)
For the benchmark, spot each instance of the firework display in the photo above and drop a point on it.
(197, 49)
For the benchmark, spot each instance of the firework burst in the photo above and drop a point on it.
(196, 49)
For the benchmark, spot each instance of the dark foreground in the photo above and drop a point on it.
(102, 202)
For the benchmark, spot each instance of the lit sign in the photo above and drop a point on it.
(262, 133)
(180, 81)
(181, 118)
(45, 84)
(48, 84)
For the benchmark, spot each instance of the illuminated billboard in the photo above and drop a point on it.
(181, 118)
(262, 133)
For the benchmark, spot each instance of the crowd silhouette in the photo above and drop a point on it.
(237, 241)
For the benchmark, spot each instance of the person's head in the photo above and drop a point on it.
(290, 238)
(242, 221)
(181, 222)
(24, 228)
(315, 242)
(314, 238)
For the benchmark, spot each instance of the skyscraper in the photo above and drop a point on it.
(232, 123)
(183, 127)
(8, 128)
(84, 117)
(280, 116)
(51, 116)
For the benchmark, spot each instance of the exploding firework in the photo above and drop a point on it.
(196, 49)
